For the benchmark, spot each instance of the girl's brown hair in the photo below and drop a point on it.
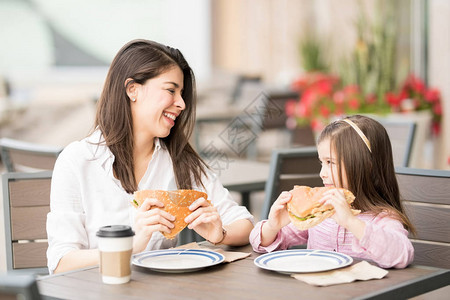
(141, 60)
(370, 173)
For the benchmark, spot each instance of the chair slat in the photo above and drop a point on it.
(32, 160)
(424, 188)
(30, 255)
(29, 223)
(432, 255)
(30, 192)
(430, 222)
(300, 165)
(425, 196)
(288, 184)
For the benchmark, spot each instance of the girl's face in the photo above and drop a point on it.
(158, 103)
(329, 171)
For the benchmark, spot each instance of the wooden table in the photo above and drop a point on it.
(238, 280)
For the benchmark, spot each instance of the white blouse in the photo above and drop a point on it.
(85, 196)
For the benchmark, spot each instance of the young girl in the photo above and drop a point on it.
(145, 117)
(355, 154)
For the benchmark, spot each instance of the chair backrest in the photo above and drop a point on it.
(426, 198)
(23, 156)
(401, 134)
(26, 199)
(289, 167)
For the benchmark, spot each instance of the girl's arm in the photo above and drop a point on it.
(287, 237)
(386, 242)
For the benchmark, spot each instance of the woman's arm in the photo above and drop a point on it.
(238, 233)
(78, 259)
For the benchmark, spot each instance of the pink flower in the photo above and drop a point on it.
(317, 125)
(339, 97)
(289, 107)
(351, 89)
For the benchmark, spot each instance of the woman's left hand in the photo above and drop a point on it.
(205, 220)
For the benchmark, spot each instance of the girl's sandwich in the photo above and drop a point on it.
(304, 208)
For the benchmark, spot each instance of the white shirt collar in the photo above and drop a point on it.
(103, 155)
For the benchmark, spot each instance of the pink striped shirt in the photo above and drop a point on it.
(385, 240)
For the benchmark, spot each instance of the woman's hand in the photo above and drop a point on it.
(150, 217)
(205, 220)
(343, 214)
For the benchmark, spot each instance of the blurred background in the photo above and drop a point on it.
(385, 58)
(270, 73)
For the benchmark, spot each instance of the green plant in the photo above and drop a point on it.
(311, 54)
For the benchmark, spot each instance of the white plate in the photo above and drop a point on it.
(177, 260)
(302, 261)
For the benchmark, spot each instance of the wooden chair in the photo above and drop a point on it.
(22, 287)
(289, 167)
(401, 134)
(23, 156)
(26, 199)
(426, 198)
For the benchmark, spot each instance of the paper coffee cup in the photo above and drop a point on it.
(115, 244)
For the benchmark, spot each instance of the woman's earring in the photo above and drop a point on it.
(133, 99)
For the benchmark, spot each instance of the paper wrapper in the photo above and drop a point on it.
(230, 256)
(360, 271)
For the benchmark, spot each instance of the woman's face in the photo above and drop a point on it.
(158, 103)
(329, 171)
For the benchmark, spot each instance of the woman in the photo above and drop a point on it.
(144, 119)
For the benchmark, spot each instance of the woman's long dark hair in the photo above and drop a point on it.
(370, 174)
(141, 60)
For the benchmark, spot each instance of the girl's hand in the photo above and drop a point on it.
(150, 217)
(343, 214)
(278, 218)
(205, 220)
(278, 215)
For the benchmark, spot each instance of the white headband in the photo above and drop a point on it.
(359, 132)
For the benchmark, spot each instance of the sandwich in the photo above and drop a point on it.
(176, 203)
(304, 208)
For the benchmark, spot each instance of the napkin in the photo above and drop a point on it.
(230, 256)
(360, 271)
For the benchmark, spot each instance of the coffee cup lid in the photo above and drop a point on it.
(115, 231)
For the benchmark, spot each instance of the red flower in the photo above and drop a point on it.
(393, 99)
(324, 111)
(432, 95)
(371, 99)
(322, 95)
(436, 128)
(353, 103)
(437, 108)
